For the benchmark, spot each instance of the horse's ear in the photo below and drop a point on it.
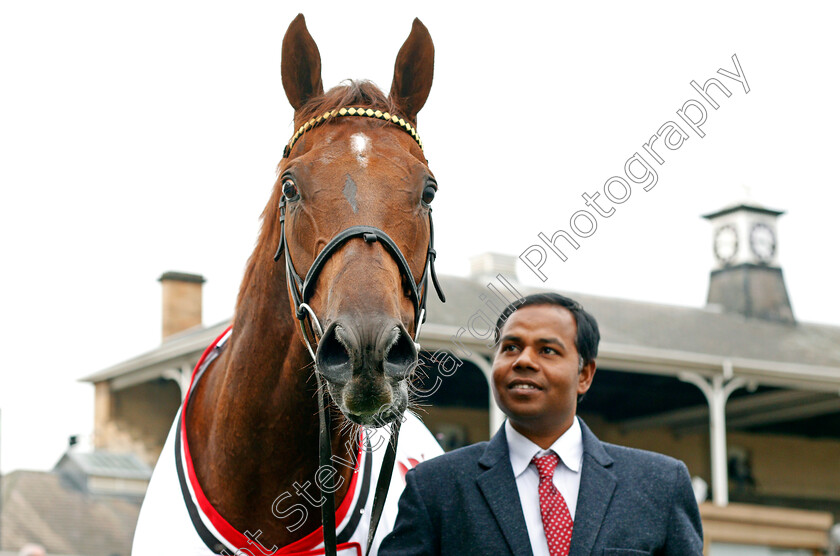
(300, 64)
(413, 71)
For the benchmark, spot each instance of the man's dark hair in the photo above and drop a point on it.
(588, 335)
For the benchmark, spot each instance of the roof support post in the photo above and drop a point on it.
(497, 418)
(717, 392)
(182, 377)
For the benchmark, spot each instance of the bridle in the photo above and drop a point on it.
(302, 290)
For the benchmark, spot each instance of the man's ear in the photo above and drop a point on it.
(585, 376)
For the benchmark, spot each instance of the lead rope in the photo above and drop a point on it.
(325, 450)
(383, 483)
(325, 456)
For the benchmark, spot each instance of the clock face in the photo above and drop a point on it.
(726, 244)
(762, 242)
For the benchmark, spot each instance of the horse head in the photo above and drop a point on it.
(354, 195)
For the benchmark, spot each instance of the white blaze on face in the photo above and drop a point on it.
(360, 144)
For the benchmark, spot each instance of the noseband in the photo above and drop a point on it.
(302, 291)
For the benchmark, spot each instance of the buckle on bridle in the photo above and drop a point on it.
(313, 322)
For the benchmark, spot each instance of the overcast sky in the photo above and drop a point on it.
(142, 137)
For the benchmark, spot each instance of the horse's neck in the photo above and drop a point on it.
(253, 425)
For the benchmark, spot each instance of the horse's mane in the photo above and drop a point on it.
(350, 93)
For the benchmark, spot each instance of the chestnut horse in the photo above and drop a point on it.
(350, 211)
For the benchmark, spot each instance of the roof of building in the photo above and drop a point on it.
(702, 336)
(40, 507)
(749, 206)
(670, 327)
(106, 464)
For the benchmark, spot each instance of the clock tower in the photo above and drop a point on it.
(746, 277)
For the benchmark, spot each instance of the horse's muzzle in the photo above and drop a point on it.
(348, 351)
(365, 365)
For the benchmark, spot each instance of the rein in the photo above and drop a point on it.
(302, 290)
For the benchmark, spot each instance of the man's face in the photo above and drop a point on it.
(535, 373)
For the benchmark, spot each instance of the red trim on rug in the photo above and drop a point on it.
(320, 551)
(229, 532)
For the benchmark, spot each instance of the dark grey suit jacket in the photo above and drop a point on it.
(630, 503)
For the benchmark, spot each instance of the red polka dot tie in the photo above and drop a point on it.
(557, 521)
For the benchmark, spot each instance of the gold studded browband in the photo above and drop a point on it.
(363, 112)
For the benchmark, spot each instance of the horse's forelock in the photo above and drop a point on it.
(350, 93)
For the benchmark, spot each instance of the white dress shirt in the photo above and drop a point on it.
(569, 448)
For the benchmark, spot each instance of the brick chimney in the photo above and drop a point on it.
(486, 266)
(181, 302)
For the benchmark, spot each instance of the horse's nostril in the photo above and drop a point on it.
(332, 358)
(401, 357)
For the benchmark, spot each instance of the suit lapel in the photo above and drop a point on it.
(498, 485)
(597, 484)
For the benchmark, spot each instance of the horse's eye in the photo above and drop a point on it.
(289, 189)
(429, 194)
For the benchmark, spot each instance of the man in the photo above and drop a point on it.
(544, 484)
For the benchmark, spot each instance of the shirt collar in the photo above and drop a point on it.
(522, 450)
